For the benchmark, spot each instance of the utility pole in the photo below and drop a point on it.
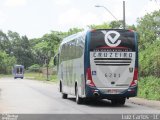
(124, 17)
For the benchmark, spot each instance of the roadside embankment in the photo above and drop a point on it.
(145, 102)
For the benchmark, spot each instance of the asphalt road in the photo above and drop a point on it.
(37, 97)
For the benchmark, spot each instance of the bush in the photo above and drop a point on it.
(150, 60)
(149, 87)
(34, 68)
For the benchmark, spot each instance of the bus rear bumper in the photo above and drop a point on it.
(19, 76)
(93, 92)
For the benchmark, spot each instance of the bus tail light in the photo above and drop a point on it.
(135, 78)
(130, 30)
(89, 80)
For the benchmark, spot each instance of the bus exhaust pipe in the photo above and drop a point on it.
(96, 94)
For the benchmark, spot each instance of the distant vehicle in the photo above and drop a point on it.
(18, 71)
(100, 63)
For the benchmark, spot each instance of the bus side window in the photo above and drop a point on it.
(63, 57)
(79, 47)
(72, 50)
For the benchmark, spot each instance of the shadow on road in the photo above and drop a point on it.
(98, 103)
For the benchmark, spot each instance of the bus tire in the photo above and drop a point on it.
(122, 101)
(64, 96)
(114, 101)
(60, 87)
(118, 101)
(79, 100)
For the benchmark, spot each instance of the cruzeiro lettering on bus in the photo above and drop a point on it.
(113, 54)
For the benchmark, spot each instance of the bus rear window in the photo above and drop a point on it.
(117, 38)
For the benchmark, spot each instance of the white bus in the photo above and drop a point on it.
(100, 63)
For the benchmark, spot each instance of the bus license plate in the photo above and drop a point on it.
(112, 91)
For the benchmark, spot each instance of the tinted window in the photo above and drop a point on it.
(79, 47)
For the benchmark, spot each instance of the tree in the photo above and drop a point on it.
(101, 26)
(149, 44)
(74, 30)
(116, 24)
(149, 29)
(26, 58)
(6, 62)
(132, 27)
(21, 49)
(44, 48)
(5, 44)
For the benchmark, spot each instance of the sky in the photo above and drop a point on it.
(34, 18)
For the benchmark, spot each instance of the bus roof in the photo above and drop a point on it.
(71, 37)
(18, 66)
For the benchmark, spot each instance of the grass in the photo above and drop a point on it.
(149, 88)
(6, 75)
(40, 76)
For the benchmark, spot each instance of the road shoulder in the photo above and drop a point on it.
(145, 102)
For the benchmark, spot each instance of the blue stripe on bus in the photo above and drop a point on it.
(87, 61)
(87, 54)
(136, 48)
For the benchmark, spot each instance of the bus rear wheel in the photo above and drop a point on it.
(122, 101)
(118, 101)
(60, 87)
(79, 100)
(64, 96)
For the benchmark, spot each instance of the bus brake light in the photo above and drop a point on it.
(89, 80)
(135, 78)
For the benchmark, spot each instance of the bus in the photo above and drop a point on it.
(18, 71)
(100, 63)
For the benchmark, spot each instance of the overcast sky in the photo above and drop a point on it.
(35, 18)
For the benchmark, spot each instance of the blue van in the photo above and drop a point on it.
(18, 71)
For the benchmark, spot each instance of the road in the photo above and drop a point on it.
(38, 97)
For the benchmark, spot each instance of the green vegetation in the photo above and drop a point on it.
(40, 76)
(6, 62)
(34, 68)
(149, 87)
(4, 75)
(37, 54)
(149, 56)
